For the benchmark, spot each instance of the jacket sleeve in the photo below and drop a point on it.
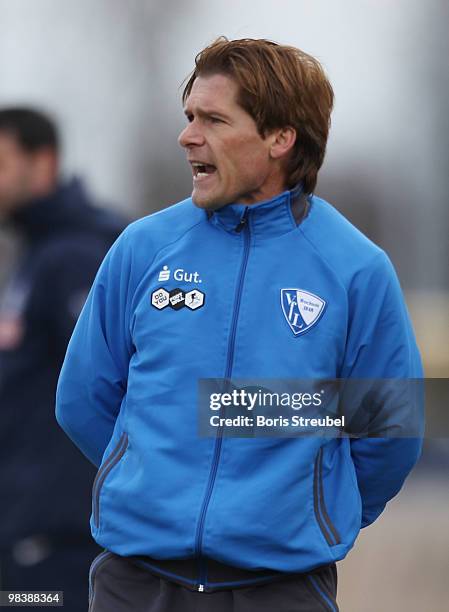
(65, 272)
(93, 379)
(381, 353)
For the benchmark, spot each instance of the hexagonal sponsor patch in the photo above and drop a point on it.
(194, 299)
(160, 298)
(176, 298)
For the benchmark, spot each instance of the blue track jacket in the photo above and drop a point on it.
(127, 394)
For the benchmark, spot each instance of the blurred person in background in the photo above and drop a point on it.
(253, 276)
(45, 485)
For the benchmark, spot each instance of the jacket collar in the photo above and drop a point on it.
(64, 208)
(273, 217)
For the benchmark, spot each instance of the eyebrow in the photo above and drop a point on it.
(206, 113)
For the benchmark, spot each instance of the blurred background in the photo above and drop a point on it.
(109, 72)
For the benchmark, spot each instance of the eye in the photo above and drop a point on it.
(216, 120)
(189, 117)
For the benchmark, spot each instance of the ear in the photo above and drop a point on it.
(45, 168)
(283, 141)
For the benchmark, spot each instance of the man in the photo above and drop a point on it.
(226, 523)
(45, 483)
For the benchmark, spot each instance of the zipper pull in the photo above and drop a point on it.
(243, 221)
(201, 588)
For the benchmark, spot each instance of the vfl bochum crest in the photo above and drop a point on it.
(301, 309)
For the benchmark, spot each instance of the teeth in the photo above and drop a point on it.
(199, 170)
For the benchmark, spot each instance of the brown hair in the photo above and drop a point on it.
(279, 86)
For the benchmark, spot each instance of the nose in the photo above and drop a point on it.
(191, 135)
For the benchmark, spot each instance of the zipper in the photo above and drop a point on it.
(242, 225)
(102, 473)
(324, 521)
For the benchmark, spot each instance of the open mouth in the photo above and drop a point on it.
(201, 170)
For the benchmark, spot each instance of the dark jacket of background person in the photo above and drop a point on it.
(45, 482)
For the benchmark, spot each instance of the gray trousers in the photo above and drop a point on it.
(118, 585)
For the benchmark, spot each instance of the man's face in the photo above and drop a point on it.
(16, 174)
(230, 160)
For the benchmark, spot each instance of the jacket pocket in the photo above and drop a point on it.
(327, 528)
(115, 456)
